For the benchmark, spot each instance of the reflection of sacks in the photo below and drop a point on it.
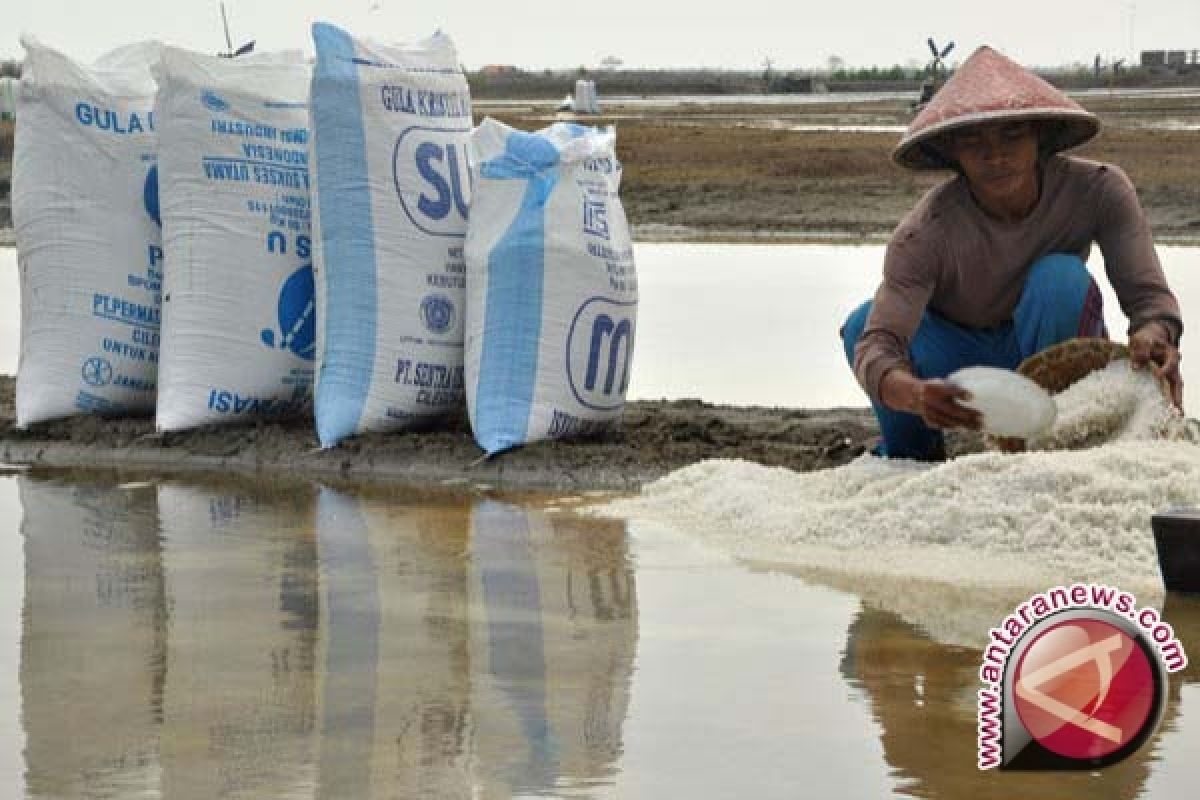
(240, 566)
(390, 126)
(1058, 368)
(552, 291)
(88, 240)
(394, 704)
(93, 655)
(238, 309)
(552, 654)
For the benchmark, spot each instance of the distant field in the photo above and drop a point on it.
(758, 169)
(718, 170)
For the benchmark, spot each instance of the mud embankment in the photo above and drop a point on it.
(655, 438)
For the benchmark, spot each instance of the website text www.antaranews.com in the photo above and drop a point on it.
(1002, 640)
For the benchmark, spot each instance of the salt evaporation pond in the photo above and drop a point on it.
(751, 324)
(163, 637)
(160, 637)
(670, 101)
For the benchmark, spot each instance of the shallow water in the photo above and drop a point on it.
(224, 640)
(757, 324)
(668, 101)
(751, 324)
(673, 100)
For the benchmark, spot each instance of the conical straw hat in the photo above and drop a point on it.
(990, 87)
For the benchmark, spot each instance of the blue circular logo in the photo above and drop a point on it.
(97, 372)
(297, 316)
(150, 195)
(437, 312)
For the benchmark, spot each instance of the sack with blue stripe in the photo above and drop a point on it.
(551, 285)
(390, 125)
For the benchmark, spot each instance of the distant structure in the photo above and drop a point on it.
(611, 62)
(499, 69)
(795, 83)
(1179, 61)
(586, 99)
(229, 52)
(583, 101)
(936, 71)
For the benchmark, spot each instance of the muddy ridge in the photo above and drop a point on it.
(655, 438)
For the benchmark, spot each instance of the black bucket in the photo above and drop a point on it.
(1177, 540)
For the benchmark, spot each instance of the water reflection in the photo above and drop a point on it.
(93, 652)
(394, 712)
(472, 652)
(225, 640)
(552, 661)
(240, 575)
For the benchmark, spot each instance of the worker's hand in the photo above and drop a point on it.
(1151, 345)
(936, 401)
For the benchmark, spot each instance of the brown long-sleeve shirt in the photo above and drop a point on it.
(949, 256)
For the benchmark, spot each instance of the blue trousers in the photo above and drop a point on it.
(1058, 302)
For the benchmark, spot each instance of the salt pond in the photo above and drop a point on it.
(757, 324)
(670, 101)
(167, 638)
(750, 324)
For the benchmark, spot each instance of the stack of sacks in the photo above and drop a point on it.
(551, 286)
(390, 127)
(239, 322)
(376, 295)
(85, 209)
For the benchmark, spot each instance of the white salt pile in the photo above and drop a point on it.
(992, 519)
(922, 540)
(1114, 404)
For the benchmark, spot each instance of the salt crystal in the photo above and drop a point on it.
(991, 519)
(1113, 404)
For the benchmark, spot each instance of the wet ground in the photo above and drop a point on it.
(179, 639)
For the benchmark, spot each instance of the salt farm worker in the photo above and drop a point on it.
(988, 268)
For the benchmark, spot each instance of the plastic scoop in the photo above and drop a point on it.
(1011, 404)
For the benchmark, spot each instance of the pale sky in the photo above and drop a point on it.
(644, 33)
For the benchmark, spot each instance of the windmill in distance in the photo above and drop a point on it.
(936, 70)
(938, 65)
(248, 47)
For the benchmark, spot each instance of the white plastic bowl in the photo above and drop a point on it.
(1011, 404)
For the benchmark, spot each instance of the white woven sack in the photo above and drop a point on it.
(85, 210)
(390, 127)
(239, 318)
(551, 286)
